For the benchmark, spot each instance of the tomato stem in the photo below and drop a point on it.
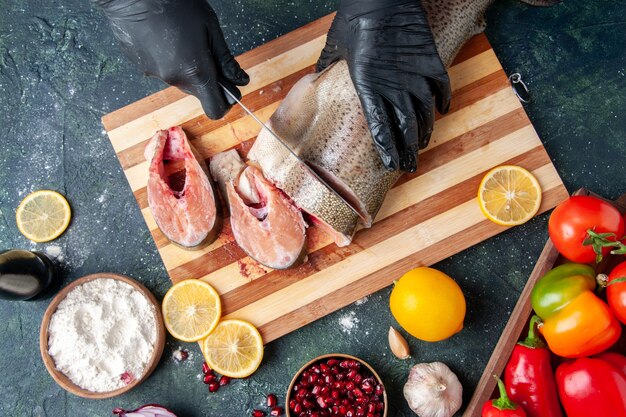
(600, 241)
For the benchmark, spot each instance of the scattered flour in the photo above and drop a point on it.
(361, 301)
(54, 252)
(348, 322)
(102, 335)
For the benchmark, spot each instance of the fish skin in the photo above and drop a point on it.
(272, 234)
(188, 218)
(322, 121)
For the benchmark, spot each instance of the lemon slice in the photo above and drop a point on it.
(234, 349)
(191, 310)
(43, 215)
(509, 195)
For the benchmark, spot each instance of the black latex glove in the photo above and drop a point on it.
(180, 42)
(396, 70)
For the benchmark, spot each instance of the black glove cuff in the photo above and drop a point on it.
(353, 9)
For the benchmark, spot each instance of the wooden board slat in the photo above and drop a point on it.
(423, 213)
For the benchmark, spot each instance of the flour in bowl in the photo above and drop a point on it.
(103, 334)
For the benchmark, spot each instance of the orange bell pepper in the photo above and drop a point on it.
(575, 321)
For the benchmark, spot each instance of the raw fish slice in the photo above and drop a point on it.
(322, 120)
(187, 217)
(272, 231)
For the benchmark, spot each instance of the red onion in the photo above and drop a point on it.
(148, 410)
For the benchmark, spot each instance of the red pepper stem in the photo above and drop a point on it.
(503, 403)
(532, 340)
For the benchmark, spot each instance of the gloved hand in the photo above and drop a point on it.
(180, 42)
(396, 70)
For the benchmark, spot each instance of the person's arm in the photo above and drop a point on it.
(396, 71)
(180, 42)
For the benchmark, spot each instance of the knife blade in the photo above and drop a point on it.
(291, 151)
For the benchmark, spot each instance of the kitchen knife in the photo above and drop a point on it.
(231, 96)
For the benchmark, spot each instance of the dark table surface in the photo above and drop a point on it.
(61, 70)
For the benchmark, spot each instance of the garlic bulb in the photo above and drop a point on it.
(433, 390)
(148, 410)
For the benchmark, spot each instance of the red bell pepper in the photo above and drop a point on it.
(615, 359)
(591, 387)
(529, 377)
(503, 406)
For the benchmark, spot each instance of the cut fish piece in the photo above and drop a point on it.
(272, 231)
(265, 224)
(322, 122)
(186, 213)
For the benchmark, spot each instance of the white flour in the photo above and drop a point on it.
(102, 332)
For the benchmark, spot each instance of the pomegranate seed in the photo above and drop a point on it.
(332, 362)
(357, 378)
(357, 392)
(345, 364)
(180, 355)
(276, 411)
(351, 374)
(301, 393)
(360, 411)
(271, 400)
(324, 368)
(379, 390)
(205, 368)
(224, 380)
(127, 378)
(367, 387)
(325, 390)
(340, 376)
(208, 377)
(214, 386)
(350, 413)
(315, 369)
(334, 370)
(328, 379)
(292, 404)
(297, 408)
(321, 402)
(343, 409)
(296, 388)
(334, 410)
(371, 408)
(316, 389)
(334, 394)
(370, 415)
(379, 406)
(349, 385)
(362, 400)
(258, 413)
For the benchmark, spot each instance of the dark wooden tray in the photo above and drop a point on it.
(517, 325)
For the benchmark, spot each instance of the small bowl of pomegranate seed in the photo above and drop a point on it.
(336, 385)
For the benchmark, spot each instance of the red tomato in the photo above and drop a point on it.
(571, 219)
(616, 293)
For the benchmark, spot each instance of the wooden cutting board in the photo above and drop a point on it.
(427, 216)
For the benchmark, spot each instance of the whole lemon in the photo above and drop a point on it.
(428, 304)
